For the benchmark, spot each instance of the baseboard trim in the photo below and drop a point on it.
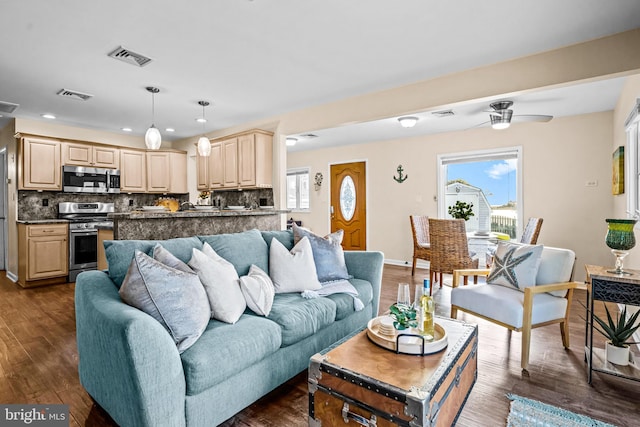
(401, 263)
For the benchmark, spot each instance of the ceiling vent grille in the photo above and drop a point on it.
(8, 107)
(308, 136)
(74, 94)
(443, 113)
(125, 55)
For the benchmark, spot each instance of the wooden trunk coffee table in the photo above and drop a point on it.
(357, 382)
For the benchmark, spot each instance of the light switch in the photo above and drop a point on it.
(591, 183)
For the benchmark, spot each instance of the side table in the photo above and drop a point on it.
(616, 288)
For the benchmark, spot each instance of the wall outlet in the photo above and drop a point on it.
(45, 202)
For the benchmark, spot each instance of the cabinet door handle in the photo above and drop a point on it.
(348, 415)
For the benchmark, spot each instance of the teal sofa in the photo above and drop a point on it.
(131, 367)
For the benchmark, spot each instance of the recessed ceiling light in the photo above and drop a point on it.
(408, 121)
(48, 116)
(201, 120)
(170, 130)
(127, 130)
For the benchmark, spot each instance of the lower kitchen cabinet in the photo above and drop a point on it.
(43, 254)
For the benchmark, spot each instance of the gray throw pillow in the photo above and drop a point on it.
(169, 259)
(174, 298)
(515, 265)
(328, 255)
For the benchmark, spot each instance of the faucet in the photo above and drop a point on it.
(188, 203)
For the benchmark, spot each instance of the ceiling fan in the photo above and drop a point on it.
(501, 115)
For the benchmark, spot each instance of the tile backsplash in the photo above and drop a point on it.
(31, 204)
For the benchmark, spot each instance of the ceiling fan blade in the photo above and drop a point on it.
(479, 125)
(531, 118)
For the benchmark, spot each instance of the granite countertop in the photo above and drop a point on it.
(42, 221)
(194, 213)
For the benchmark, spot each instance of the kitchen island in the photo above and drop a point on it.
(143, 225)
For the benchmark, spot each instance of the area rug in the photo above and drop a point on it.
(528, 413)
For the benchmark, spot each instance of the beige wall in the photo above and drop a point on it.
(559, 157)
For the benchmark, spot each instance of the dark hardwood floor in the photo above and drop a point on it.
(38, 364)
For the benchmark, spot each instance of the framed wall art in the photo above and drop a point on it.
(617, 179)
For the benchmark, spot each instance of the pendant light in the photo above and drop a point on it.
(152, 138)
(204, 145)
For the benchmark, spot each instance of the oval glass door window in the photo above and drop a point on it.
(347, 198)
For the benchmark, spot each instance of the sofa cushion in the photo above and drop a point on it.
(507, 304)
(284, 236)
(221, 283)
(299, 317)
(240, 249)
(344, 302)
(515, 265)
(327, 253)
(223, 350)
(258, 290)
(292, 271)
(174, 298)
(119, 253)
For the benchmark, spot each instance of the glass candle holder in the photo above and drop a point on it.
(620, 239)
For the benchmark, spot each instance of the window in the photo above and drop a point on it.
(632, 162)
(298, 189)
(491, 180)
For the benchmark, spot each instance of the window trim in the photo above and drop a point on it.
(480, 155)
(632, 161)
(297, 172)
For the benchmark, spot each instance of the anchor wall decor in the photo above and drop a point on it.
(400, 178)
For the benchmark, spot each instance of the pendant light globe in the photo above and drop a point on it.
(152, 138)
(204, 145)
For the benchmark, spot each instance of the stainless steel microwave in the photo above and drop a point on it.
(80, 179)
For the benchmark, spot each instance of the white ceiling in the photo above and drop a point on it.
(257, 59)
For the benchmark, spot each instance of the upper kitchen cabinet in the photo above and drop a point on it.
(241, 161)
(90, 155)
(255, 159)
(202, 172)
(41, 167)
(166, 172)
(133, 177)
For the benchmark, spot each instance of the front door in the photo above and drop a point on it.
(349, 204)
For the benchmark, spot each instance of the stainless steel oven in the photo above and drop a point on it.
(84, 221)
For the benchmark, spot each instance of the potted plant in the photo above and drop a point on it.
(461, 210)
(618, 332)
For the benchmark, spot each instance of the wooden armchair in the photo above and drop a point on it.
(449, 248)
(522, 311)
(421, 245)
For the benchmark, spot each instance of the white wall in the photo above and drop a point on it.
(559, 157)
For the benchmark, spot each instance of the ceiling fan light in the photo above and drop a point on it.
(152, 138)
(408, 121)
(204, 146)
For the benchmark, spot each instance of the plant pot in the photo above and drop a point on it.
(617, 355)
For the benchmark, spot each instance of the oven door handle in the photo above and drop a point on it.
(83, 232)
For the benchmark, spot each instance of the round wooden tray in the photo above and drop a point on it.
(407, 341)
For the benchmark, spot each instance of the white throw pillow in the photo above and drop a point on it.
(258, 290)
(293, 271)
(515, 265)
(174, 298)
(221, 283)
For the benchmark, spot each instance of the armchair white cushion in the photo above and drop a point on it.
(545, 303)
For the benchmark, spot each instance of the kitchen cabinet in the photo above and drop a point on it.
(202, 172)
(166, 172)
(97, 156)
(41, 168)
(241, 161)
(43, 251)
(255, 160)
(133, 176)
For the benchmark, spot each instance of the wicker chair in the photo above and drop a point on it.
(529, 236)
(449, 248)
(421, 245)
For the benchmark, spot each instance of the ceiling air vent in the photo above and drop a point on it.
(124, 54)
(443, 113)
(8, 107)
(308, 136)
(74, 94)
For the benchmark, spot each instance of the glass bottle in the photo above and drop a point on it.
(427, 309)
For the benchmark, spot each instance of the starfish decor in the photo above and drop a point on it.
(505, 267)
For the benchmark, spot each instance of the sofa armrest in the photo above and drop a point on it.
(457, 274)
(367, 265)
(127, 361)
